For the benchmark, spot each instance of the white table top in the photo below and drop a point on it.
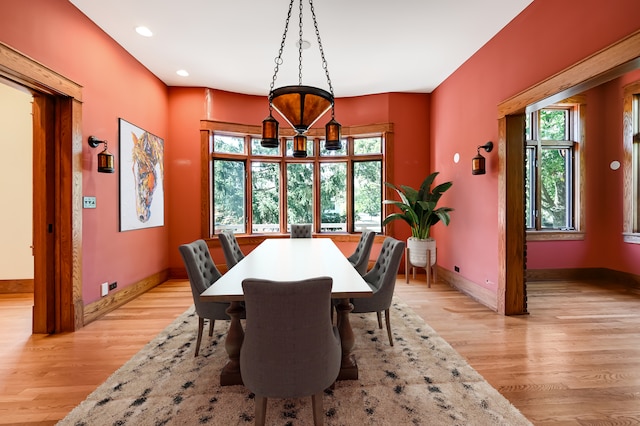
(289, 259)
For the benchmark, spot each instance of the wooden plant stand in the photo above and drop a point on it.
(430, 270)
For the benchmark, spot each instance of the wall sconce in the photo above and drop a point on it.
(478, 162)
(105, 158)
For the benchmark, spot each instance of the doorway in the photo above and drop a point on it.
(16, 189)
(603, 66)
(57, 188)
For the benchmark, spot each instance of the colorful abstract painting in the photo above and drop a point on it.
(141, 178)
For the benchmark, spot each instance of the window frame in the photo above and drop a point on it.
(631, 163)
(576, 141)
(208, 128)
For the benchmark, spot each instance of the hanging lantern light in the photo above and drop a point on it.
(301, 106)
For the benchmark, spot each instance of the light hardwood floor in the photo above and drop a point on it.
(574, 360)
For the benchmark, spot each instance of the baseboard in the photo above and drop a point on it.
(629, 280)
(16, 286)
(478, 293)
(114, 300)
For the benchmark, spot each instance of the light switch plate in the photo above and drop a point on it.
(89, 202)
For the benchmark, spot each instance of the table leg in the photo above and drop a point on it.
(348, 367)
(230, 374)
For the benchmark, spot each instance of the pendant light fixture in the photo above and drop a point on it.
(300, 105)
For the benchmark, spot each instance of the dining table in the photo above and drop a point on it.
(289, 259)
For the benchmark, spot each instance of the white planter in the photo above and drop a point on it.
(418, 251)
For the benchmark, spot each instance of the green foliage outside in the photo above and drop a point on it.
(555, 168)
(230, 194)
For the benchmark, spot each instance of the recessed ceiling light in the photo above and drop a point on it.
(182, 73)
(144, 31)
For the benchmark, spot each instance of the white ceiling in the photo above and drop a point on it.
(371, 46)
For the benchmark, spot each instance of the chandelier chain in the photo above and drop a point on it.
(300, 47)
(324, 61)
(278, 59)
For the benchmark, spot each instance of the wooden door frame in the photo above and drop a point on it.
(602, 66)
(57, 139)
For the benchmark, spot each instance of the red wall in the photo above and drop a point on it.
(464, 115)
(114, 85)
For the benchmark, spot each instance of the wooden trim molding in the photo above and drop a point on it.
(555, 235)
(16, 286)
(17, 66)
(95, 310)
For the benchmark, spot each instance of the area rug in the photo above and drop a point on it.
(421, 380)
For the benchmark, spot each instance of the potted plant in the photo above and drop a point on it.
(419, 211)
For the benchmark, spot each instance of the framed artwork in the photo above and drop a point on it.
(141, 178)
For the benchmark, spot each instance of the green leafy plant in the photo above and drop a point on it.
(419, 206)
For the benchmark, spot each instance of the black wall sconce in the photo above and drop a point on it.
(478, 163)
(105, 158)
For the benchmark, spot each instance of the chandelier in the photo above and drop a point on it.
(300, 105)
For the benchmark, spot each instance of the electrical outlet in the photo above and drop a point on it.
(456, 268)
(104, 289)
(113, 285)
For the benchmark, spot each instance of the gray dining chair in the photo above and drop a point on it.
(300, 230)
(291, 349)
(202, 273)
(230, 248)
(360, 258)
(382, 280)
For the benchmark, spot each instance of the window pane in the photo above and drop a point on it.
(333, 197)
(529, 188)
(229, 144)
(528, 135)
(258, 149)
(555, 192)
(289, 152)
(299, 193)
(265, 189)
(367, 145)
(335, 152)
(229, 195)
(554, 124)
(367, 196)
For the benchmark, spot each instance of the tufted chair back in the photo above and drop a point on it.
(300, 230)
(230, 248)
(360, 258)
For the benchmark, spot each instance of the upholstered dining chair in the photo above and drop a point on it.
(230, 248)
(382, 280)
(290, 349)
(360, 258)
(300, 230)
(202, 273)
